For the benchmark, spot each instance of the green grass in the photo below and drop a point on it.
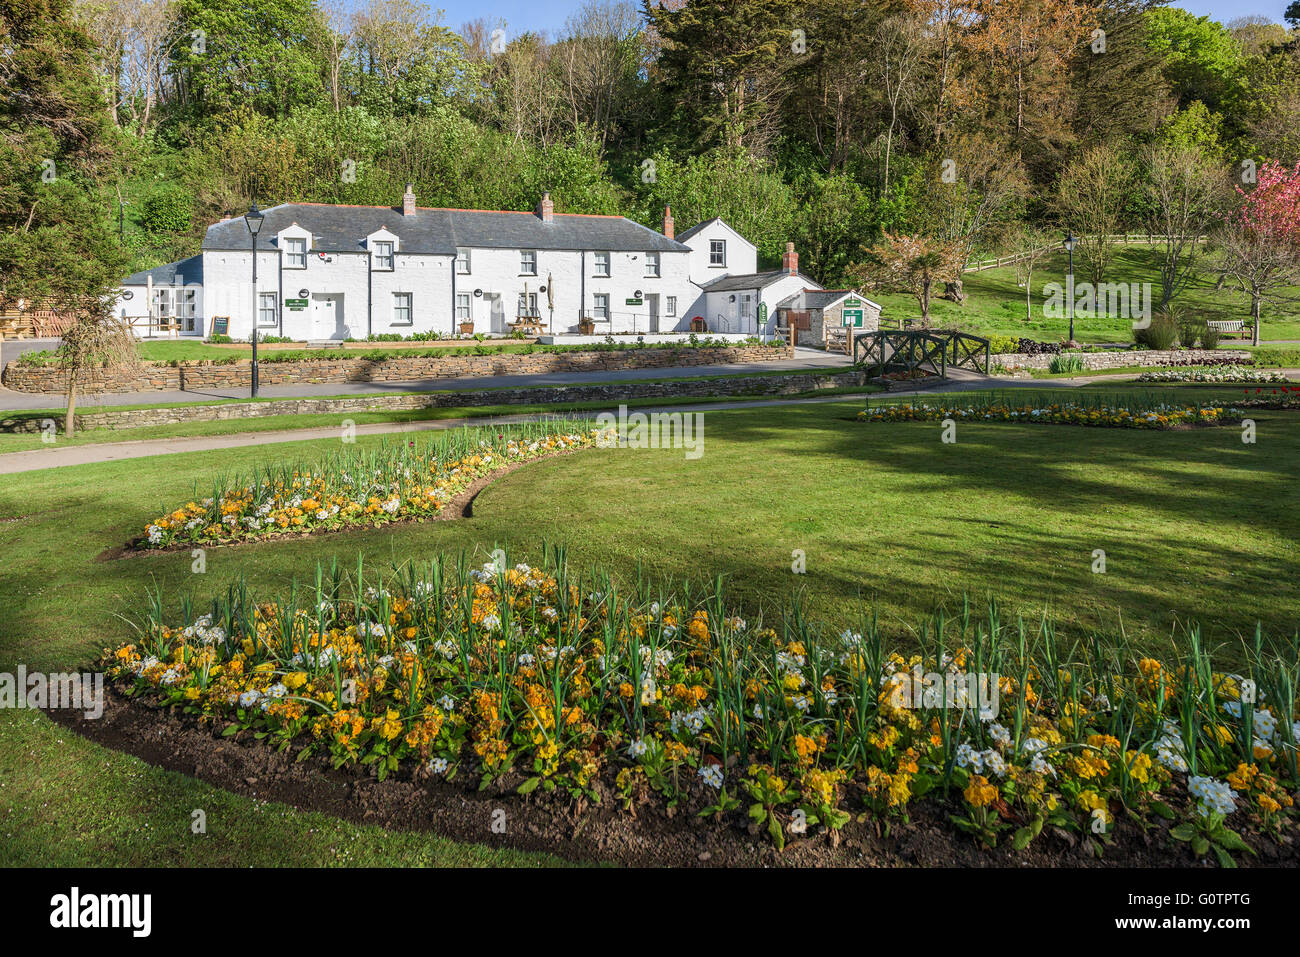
(996, 302)
(31, 441)
(1195, 525)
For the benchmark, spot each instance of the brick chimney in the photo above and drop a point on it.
(408, 200)
(790, 261)
(668, 221)
(546, 209)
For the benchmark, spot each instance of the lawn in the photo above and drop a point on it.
(1195, 525)
(996, 302)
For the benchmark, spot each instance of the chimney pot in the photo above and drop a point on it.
(546, 209)
(790, 261)
(668, 222)
(408, 200)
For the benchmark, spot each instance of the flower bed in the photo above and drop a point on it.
(1134, 416)
(1228, 373)
(562, 686)
(356, 488)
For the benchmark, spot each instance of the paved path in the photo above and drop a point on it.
(961, 380)
(805, 360)
(12, 462)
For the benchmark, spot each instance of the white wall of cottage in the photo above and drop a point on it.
(367, 292)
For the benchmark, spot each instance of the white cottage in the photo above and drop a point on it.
(328, 272)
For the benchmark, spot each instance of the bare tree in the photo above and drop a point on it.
(597, 60)
(1092, 193)
(1187, 192)
(1032, 246)
(334, 35)
(899, 44)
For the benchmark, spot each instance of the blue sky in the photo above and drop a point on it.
(550, 15)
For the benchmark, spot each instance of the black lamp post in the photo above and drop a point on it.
(253, 219)
(1070, 243)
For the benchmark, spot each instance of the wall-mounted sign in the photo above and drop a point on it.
(633, 302)
(853, 317)
(295, 304)
(852, 303)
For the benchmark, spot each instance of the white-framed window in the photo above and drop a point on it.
(528, 262)
(383, 255)
(717, 252)
(601, 264)
(746, 305)
(652, 265)
(402, 309)
(178, 304)
(265, 309)
(528, 305)
(462, 307)
(600, 306)
(296, 253)
(462, 262)
(672, 305)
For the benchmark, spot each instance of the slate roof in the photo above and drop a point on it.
(752, 280)
(682, 237)
(821, 298)
(440, 231)
(190, 270)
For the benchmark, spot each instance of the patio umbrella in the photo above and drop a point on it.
(550, 299)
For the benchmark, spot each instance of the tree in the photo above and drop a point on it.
(898, 45)
(1119, 87)
(723, 64)
(1032, 245)
(1261, 242)
(57, 241)
(599, 60)
(1186, 190)
(94, 339)
(910, 264)
(1091, 195)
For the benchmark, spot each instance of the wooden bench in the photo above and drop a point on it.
(1231, 328)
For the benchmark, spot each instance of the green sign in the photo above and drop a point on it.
(296, 303)
(762, 312)
(633, 302)
(220, 325)
(852, 317)
(852, 303)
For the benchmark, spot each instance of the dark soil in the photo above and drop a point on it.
(648, 835)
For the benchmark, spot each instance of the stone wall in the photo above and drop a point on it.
(193, 376)
(1115, 359)
(110, 418)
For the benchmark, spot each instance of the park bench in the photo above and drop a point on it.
(1235, 328)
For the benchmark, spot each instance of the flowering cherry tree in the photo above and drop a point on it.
(911, 264)
(1262, 240)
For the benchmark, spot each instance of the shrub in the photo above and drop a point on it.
(1001, 345)
(170, 210)
(219, 339)
(1066, 364)
(1189, 330)
(1210, 337)
(1160, 334)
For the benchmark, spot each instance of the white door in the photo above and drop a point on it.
(327, 316)
(497, 311)
(652, 302)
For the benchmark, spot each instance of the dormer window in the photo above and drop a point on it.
(295, 253)
(528, 262)
(717, 252)
(602, 265)
(383, 255)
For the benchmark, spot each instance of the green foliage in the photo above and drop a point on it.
(170, 210)
(1162, 332)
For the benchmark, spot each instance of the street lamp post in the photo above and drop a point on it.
(1070, 243)
(253, 219)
